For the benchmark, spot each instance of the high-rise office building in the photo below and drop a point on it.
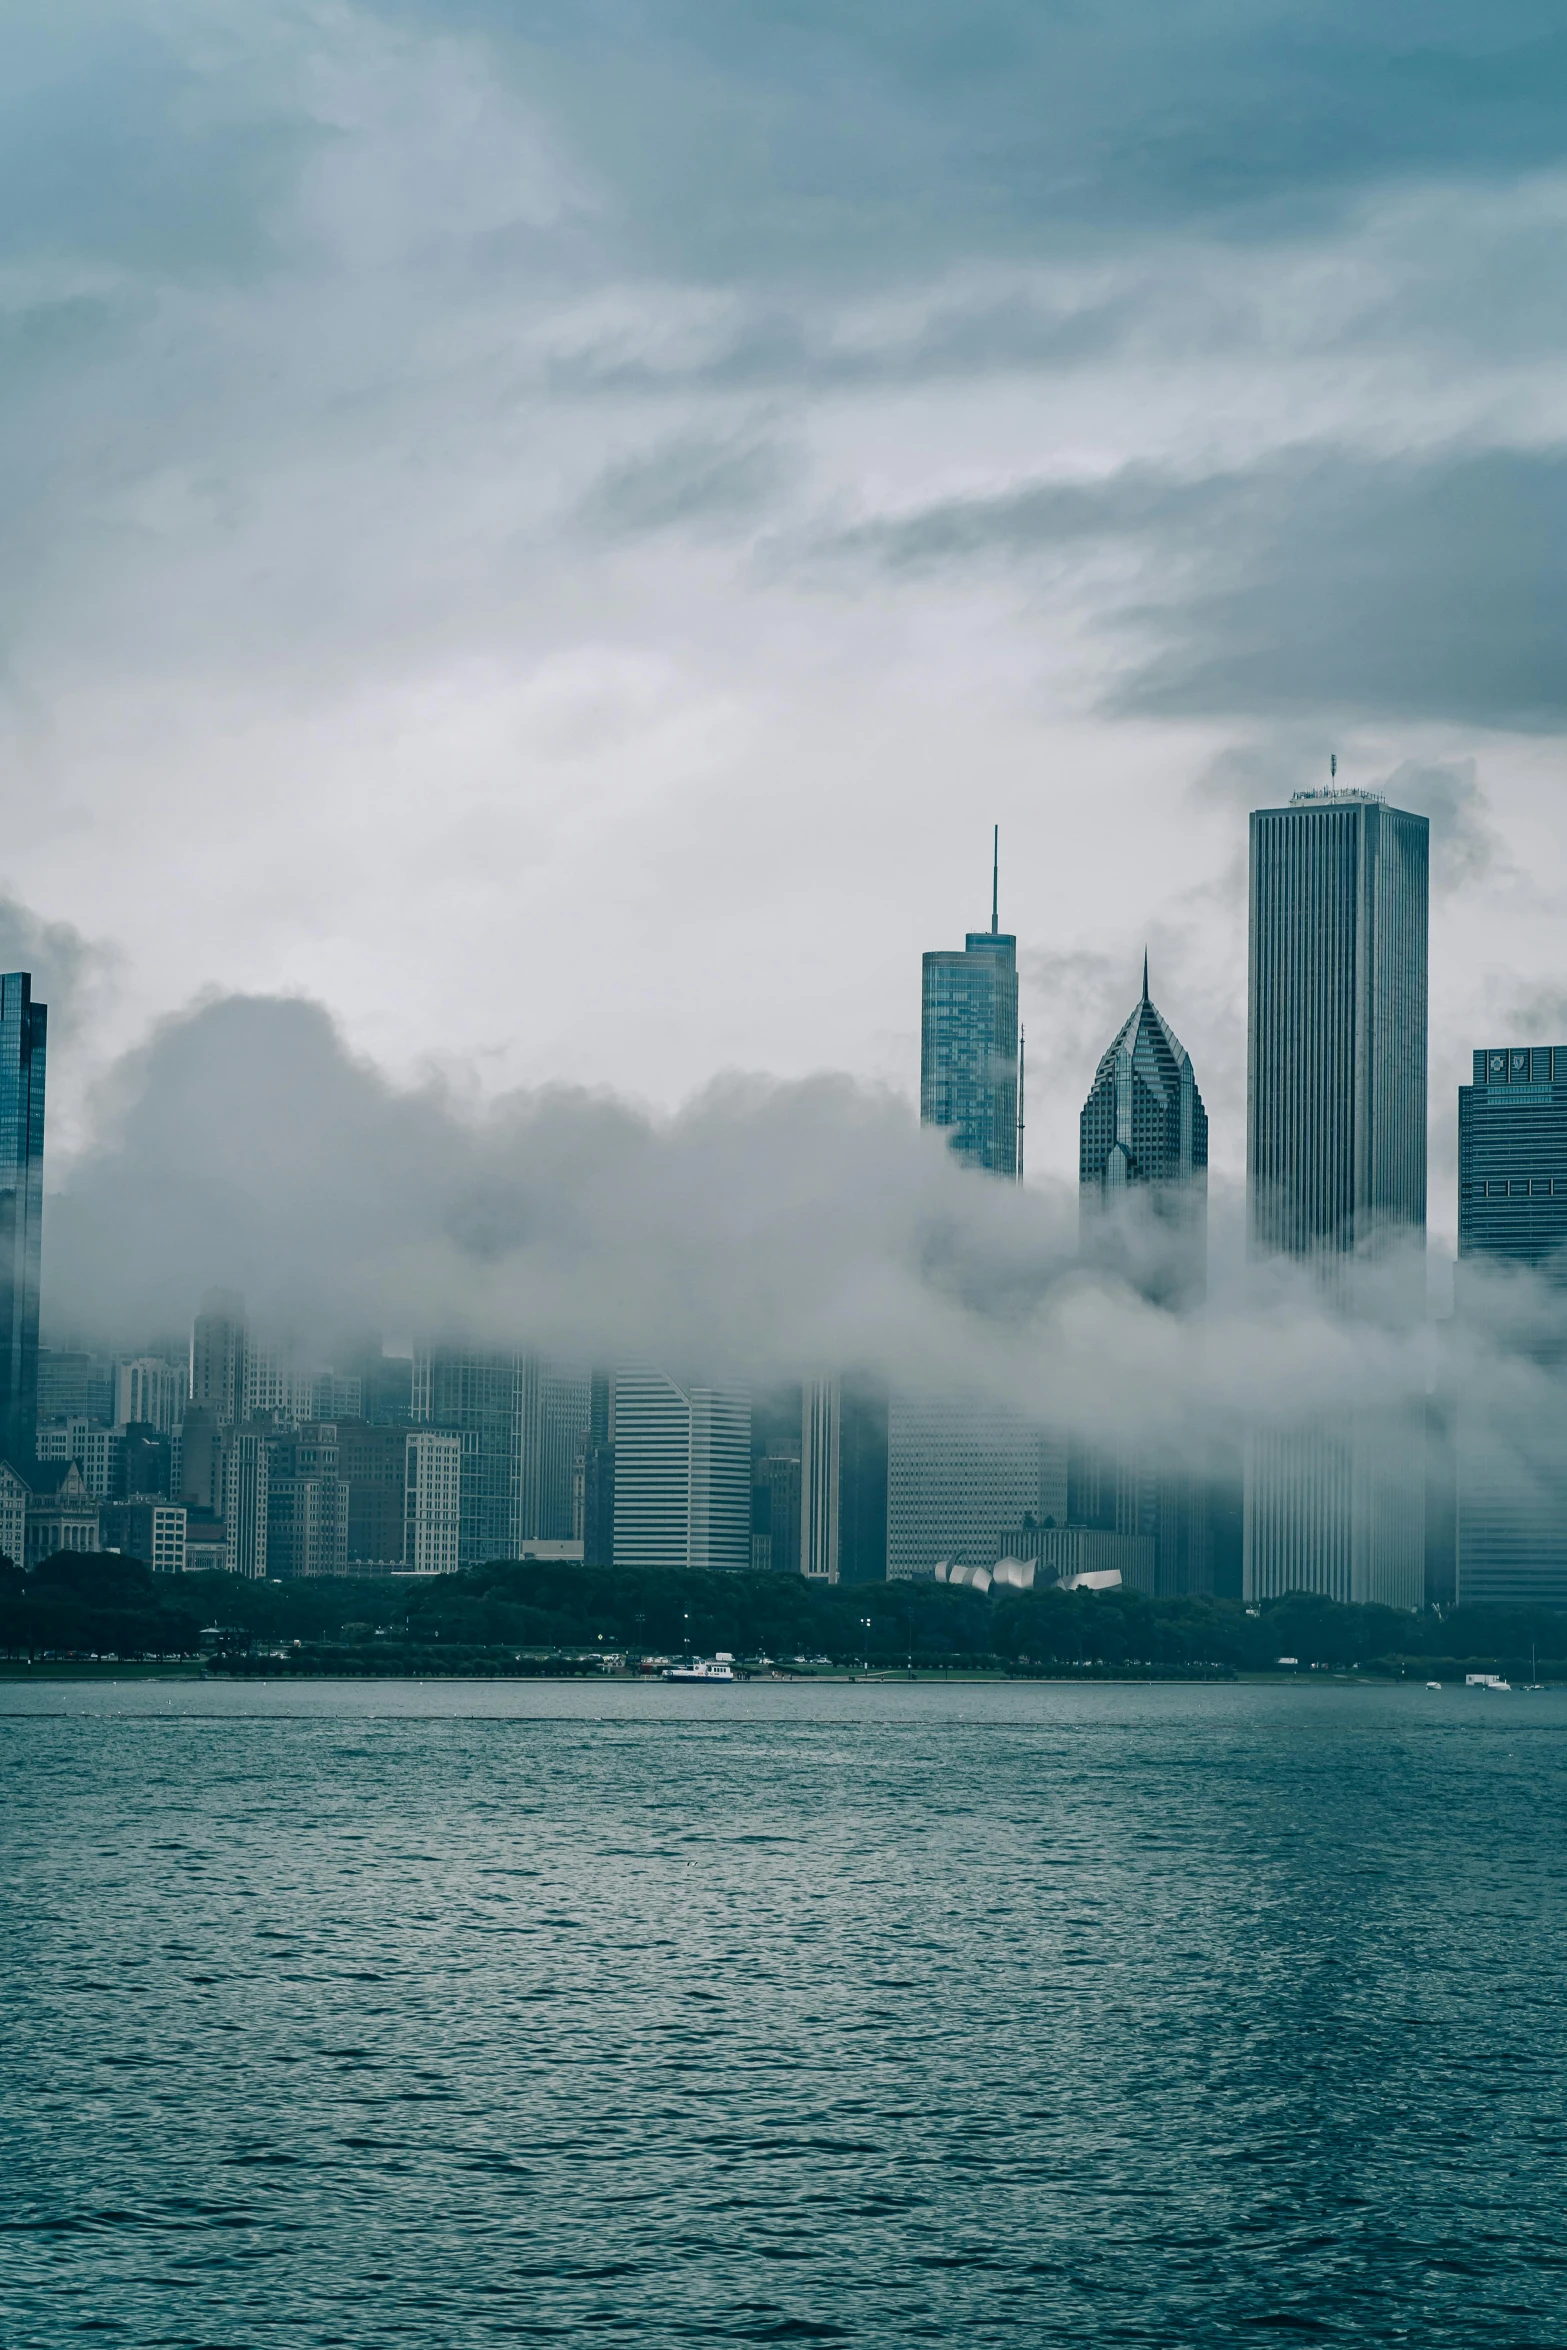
(962, 1473)
(969, 1048)
(151, 1393)
(217, 1357)
(1336, 1168)
(74, 1384)
(432, 1520)
(862, 1479)
(957, 1470)
(682, 1473)
(24, 1028)
(821, 1430)
(373, 1463)
(523, 1422)
(1143, 1193)
(597, 1528)
(1336, 1031)
(247, 1462)
(307, 1503)
(1511, 1474)
(1143, 1144)
(775, 1513)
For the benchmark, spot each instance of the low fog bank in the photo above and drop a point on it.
(765, 1231)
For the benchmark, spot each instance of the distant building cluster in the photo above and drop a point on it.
(232, 1453)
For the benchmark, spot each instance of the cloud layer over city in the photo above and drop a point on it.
(765, 1232)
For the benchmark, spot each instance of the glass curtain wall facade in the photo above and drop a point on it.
(523, 1422)
(1336, 1168)
(24, 1030)
(1511, 1465)
(1143, 1199)
(969, 1050)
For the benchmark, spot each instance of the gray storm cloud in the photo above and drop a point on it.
(763, 1231)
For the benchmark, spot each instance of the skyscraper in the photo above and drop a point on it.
(962, 1473)
(1143, 1194)
(523, 1421)
(969, 1046)
(821, 1417)
(682, 1473)
(151, 1393)
(1143, 1138)
(1512, 1213)
(598, 1474)
(1336, 1167)
(24, 1028)
(1336, 1031)
(217, 1357)
(432, 1514)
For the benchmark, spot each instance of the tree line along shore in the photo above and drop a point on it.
(526, 1617)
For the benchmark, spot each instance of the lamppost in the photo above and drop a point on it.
(865, 1662)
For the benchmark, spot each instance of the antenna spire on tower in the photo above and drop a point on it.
(1145, 975)
(995, 881)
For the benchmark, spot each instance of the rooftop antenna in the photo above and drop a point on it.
(1145, 975)
(995, 882)
(1333, 767)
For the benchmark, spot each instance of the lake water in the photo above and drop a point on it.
(460, 2014)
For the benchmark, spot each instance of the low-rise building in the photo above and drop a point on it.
(13, 1516)
(61, 1513)
(147, 1528)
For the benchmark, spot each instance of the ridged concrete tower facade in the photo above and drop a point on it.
(1336, 1165)
(1336, 1029)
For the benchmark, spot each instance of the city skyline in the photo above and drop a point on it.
(1337, 1060)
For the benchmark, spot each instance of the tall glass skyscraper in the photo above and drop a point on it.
(1143, 1137)
(24, 1028)
(1512, 1212)
(969, 1046)
(1336, 1166)
(1143, 1192)
(523, 1422)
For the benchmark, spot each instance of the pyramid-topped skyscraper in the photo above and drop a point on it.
(1144, 1132)
(1143, 1174)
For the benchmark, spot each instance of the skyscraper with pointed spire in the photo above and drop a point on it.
(969, 1042)
(1143, 1140)
(1143, 1193)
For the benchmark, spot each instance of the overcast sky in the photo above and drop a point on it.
(556, 529)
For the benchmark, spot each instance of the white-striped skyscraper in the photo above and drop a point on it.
(682, 1473)
(1336, 1168)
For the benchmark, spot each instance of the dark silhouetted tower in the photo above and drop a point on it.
(23, 1038)
(1336, 1167)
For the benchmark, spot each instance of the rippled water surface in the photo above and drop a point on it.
(478, 2013)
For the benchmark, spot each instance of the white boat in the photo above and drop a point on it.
(1494, 1686)
(1433, 1684)
(718, 1668)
